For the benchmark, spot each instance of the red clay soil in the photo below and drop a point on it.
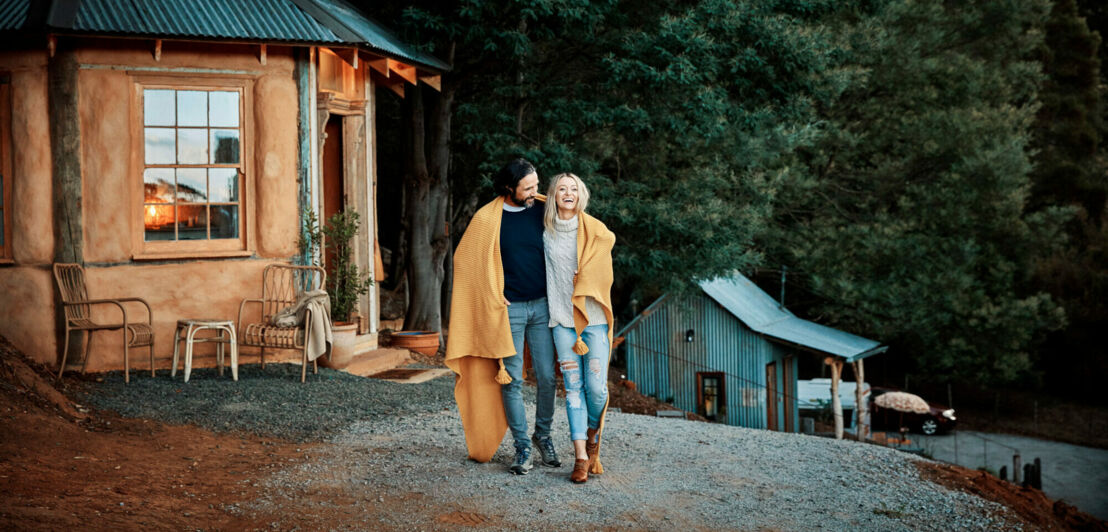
(63, 466)
(1029, 503)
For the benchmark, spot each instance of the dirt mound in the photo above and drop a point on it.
(1031, 504)
(67, 467)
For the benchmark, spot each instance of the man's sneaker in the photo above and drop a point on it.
(546, 451)
(522, 463)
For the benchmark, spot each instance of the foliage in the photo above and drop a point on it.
(681, 117)
(1071, 170)
(345, 282)
(911, 225)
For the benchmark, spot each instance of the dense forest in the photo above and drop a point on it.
(929, 174)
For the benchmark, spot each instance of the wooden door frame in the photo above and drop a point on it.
(788, 393)
(771, 396)
(721, 398)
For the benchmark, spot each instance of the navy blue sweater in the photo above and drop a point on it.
(521, 253)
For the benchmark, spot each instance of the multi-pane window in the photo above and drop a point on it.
(192, 164)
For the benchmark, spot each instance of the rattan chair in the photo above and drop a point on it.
(281, 285)
(78, 317)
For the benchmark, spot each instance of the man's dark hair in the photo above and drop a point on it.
(509, 176)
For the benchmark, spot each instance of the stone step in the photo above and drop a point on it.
(376, 361)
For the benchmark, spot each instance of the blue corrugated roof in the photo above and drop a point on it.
(374, 35)
(760, 312)
(327, 22)
(270, 20)
(13, 13)
(755, 308)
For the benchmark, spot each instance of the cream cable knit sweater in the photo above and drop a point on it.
(561, 263)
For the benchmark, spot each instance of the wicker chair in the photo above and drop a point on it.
(281, 284)
(71, 284)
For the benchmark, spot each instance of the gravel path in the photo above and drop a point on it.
(394, 458)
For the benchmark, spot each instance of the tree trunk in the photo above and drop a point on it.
(426, 167)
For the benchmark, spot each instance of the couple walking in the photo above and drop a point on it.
(538, 269)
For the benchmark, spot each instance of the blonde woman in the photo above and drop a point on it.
(578, 286)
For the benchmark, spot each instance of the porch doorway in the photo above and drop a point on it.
(334, 195)
(710, 396)
(771, 396)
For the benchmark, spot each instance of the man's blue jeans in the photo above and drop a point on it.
(586, 391)
(530, 319)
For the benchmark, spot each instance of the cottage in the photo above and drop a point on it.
(729, 353)
(173, 147)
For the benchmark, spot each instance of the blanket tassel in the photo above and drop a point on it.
(502, 376)
(580, 348)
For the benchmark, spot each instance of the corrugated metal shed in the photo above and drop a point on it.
(761, 313)
(664, 365)
(325, 22)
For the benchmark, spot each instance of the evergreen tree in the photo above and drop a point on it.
(912, 225)
(1071, 170)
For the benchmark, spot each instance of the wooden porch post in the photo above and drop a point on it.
(836, 403)
(65, 155)
(859, 406)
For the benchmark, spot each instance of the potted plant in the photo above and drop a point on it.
(345, 281)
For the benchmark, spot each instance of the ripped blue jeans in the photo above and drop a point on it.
(585, 397)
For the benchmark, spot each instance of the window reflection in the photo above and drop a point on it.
(158, 108)
(192, 108)
(192, 185)
(161, 145)
(225, 146)
(184, 132)
(224, 110)
(223, 185)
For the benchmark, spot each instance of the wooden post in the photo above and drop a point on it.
(862, 427)
(836, 403)
(65, 154)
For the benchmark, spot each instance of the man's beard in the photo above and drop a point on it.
(524, 202)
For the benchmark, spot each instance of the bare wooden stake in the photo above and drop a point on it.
(51, 44)
(262, 54)
(157, 49)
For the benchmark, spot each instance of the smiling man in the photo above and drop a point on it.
(498, 302)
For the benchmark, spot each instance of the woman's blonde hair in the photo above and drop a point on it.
(552, 200)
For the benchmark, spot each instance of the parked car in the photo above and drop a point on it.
(938, 419)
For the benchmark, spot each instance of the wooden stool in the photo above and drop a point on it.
(190, 327)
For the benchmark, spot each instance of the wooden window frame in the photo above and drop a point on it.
(721, 397)
(242, 246)
(6, 165)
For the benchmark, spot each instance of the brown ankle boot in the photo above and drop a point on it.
(580, 471)
(592, 445)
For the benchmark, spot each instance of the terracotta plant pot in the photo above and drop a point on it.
(344, 337)
(426, 342)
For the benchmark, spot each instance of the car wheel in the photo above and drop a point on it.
(929, 427)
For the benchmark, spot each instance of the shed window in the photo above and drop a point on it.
(710, 397)
(193, 149)
(5, 167)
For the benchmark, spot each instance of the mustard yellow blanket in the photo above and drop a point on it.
(480, 335)
(594, 279)
(479, 332)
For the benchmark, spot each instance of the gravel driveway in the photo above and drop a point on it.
(394, 457)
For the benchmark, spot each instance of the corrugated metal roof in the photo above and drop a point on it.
(13, 13)
(327, 22)
(761, 312)
(270, 20)
(374, 35)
